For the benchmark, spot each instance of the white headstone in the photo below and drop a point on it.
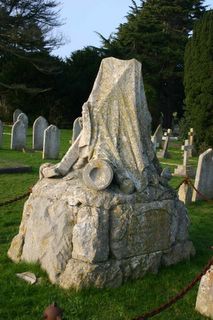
(18, 137)
(16, 113)
(39, 125)
(51, 143)
(204, 176)
(24, 118)
(1, 133)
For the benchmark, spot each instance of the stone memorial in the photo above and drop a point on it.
(157, 136)
(104, 213)
(191, 142)
(18, 136)
(16, 113)
(77, 127)
(24, 118)
(39, 125)
(185, 170)
(204, 302)
(164, 152)
(185, 193)
(51, 142)
(204, 176)
(1, 133)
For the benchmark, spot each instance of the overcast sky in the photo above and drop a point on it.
(83, 18)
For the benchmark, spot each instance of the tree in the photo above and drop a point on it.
(25, 26)
(156, 33)
(26, 67)
(198, 80)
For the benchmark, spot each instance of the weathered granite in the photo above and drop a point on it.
(204, 176)
(86, 235)
(204, 302)
(39, 125)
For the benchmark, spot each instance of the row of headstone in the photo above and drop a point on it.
(45, 138)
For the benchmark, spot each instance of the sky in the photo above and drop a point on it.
(83, 18)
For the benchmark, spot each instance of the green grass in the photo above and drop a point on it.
(21, 301)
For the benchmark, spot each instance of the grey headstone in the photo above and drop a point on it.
(18, 137)
(39, 125)
(16, 113)
(158, 135)
(24, 118)
(1, 133)
(77, 127)
(51, 143)
(204, 176)
(164, 153)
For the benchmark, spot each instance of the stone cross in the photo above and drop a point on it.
(185, 169)
(18, 136)
(39, 125)
(16, 113)
(1, 133)
(51, 143)
(24, 118)
(164, 153)
(204, 176)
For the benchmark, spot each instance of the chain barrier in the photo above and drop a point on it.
(187, 180)
(16, 198)
(179, 296)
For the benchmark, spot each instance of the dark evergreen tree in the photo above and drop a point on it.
(156, 33)
(198, 81)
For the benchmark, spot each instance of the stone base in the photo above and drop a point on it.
(185, 171)
(84, 238)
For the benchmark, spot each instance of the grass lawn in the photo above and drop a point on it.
(21, 301)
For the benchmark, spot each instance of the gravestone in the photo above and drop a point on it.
(16, 113)
(106, 215)
(157, 136)
(1, 133)
(39, 125)
(24, 118)
(204, 176)
(51, 143)
(185, 170)
(191, 142)
(77, 127)
(164, 153)
(185, 193)
(204, 302)
(18, 136)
